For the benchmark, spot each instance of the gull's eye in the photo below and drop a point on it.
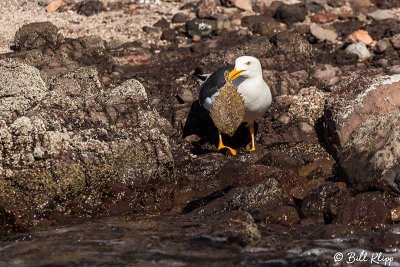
(248, 63)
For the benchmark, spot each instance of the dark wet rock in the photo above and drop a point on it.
(90, 7)
(236, 227)
(180, 18)
(162, 23)
(290, 14)
(364, 209)
(200, 27)
(75, 135)
(324, 202)
(284, 215)
(206, 8)
(168, 35)
(362, 128)
(35, 35)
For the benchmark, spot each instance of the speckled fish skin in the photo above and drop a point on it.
(227, 111)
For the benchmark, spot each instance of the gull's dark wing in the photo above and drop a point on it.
(213, 83)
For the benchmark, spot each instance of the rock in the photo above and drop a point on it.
(394, 69)
(306, 128)
(168, 35)
(324, 202)
(361, 131)
(162, 23)
(206, 8)
(290, 14)
(35, 35)
(200, 27)
(17, 95)
(55, 5)
(364, 209)
(323, 34)
(359, 49)
(242, 4)
(360, 5)
(360, 36)
(381, 46)
(315, 6)
(90, 7)
(236, 227)
(77, 137)
(285, 215)
(337, 3)
(324, 73)
(395, 40)
(380, 14)
(263, 25)
(148, 29)
(323, 17)
(186, 96)
(395, 215)
(180, 18)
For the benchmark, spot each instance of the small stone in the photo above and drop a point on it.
(206, 8)
(284, 118)
(186, 97)
(180, 18)
(360, 5)
(90, 7)
(192, 138)
(336, 3)
(290, 14)
(395, 215)
(200, 27)
(196, 38)
(360, 36)
(380, 15)
(325, 72)
(306, 128)
(168, 35)
(162, 23)
(55, 5)
(284, 215)
(383, 62)
(242, 4)
(323, 17)
(360, 50)
(395, 40)
(314, 6)
(323, 34)
(394, 69)
(381, 46)
(148, 29)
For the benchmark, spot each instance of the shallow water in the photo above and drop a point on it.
(166, 241)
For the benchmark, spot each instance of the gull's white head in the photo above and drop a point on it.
(246, 67)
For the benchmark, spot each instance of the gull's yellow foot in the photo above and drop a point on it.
(222, 146)
(251, 129)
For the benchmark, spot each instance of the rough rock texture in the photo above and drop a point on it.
(57, 142)
(363, 131)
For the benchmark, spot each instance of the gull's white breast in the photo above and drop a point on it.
(256, 95)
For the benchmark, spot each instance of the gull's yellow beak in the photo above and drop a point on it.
(234, 74)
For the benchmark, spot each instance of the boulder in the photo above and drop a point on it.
(74, 136)
(362, 131)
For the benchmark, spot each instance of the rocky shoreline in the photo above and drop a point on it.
(91, 128)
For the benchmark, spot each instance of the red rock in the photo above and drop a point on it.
(323, 17)
(361, 36)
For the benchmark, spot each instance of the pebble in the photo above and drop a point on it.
(290, 14)
(55, 5)
(242, 4)
(323, 17)
(325, 72)
(337, 3)
(186, 96)
(306, 128)
(360, 50)
(90, 7)
(381, 46)
(395, 214)
(180, 18)
(206, 8)
(380, 14)
(360, 36)
(394, 69)
(323, 34)
(168, 35)
(383, 62)
(200, 27)
(395, 40)
(162, 23)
